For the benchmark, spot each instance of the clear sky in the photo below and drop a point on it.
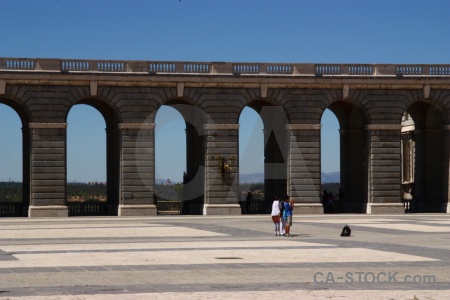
(299, 31)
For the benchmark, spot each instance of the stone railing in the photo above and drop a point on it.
(219, 68)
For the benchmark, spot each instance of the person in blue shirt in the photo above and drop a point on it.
(287, 214)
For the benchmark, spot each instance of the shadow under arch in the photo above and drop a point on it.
(353, 159)
(24, 116)
(194, 178)
(112, 121)
(425, 157)
(276, 150)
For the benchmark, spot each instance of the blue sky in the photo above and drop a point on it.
(310, 31)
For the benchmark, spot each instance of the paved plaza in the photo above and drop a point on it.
(225, 257)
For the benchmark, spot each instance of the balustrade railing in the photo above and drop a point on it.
(360, 70)
(162, 67)
(409, 70)
(8, 209)
(327, 70)
(220, 68)
(87, 208)
(20, 64)
(279, 69)
(196, 68)
(75, 66)
(439, 70)
(111, 66)
(169, 207)
(246, 69)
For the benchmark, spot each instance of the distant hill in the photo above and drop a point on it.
(332, 177)
(251, 178)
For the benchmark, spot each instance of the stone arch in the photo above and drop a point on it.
(112, 122)
(276, 148)
(21, 110)
(425, 156)
(193, 179)
(25, 117)
(352, 120)
(111, 116)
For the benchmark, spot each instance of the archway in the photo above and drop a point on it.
(251, 162)
(170, 158)
(330, 163)
(91, 171)
(14, 185)
(423, 158)
(179, 156)
(275, 150)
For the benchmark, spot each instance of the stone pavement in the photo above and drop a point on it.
(225, 257)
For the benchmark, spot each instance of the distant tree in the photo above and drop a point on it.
(257, 186)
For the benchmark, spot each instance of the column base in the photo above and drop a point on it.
(446, 208)
(221, 209)
(137, 210)
(308, 208)
(385, 208)
(49, 211)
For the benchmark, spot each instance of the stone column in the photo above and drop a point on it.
(384, 192)
(446, 170)
(276, 158)
(430, 164)
(112, 170)
(222, 183)
(194, 178)
(420, 191)
(137, 163)
(353, 171)
(304, 168)
(48, 170)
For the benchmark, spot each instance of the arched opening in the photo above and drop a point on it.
(251, 162)
(170, 158)
(423, 158)
(275, 148)
(179, 156)
(14, 187)
(87, 183)
(330, 163)
(352, 158)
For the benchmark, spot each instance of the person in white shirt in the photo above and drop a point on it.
(276, 215)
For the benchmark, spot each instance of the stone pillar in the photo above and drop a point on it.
(137, 163)
(353, 171)
(304, 168)
(222, 183)
(48, 170)
(446, 170)
(384, 192)
(112, 170)
(420, 191)
(276, 158)
(194, 178)
(431, 154)
(435, 160)
(26, 174)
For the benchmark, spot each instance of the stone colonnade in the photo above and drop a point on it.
(369, 109)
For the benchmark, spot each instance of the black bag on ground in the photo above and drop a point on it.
(346, 231)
